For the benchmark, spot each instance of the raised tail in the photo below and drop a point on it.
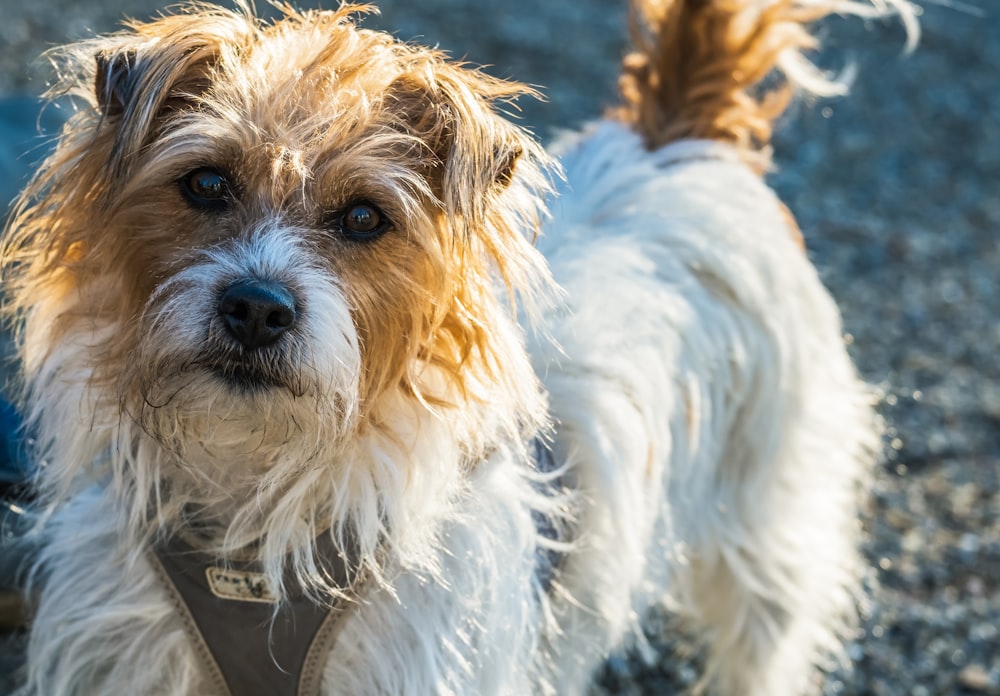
(698, 67)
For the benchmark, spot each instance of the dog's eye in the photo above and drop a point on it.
(362, 222)
(206, 188)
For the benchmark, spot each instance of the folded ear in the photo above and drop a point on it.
(162, 68)
(452, 111)
(115, 81)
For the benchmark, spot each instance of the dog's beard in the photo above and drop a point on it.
(212, 402)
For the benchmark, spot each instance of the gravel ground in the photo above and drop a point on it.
(895, 189)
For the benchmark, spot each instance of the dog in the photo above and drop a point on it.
(341, 384)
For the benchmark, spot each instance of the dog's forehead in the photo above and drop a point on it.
(300, 102)
(299, 94)
(306, 74)
(187, 91)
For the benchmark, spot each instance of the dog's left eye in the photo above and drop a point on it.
(206, 188)
(362, 222)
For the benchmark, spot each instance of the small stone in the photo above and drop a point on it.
(898, 519)
(969, 544)
(975, 678)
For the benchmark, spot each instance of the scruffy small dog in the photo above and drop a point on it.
(294, 437)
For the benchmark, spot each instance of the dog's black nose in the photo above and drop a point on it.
(257, 312)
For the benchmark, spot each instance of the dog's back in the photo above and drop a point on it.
(718, 430)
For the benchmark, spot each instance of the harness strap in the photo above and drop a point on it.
(249, 643)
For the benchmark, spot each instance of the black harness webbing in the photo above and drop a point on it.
(247, 644)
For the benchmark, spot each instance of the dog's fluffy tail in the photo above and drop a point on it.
(698, 68)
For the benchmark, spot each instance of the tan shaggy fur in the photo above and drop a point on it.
(301, 114)
(697, 66)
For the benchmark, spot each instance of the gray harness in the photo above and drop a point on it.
(249, 643)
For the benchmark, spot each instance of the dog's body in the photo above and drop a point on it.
(708, 429)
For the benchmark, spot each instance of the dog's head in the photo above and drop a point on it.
(254, 236)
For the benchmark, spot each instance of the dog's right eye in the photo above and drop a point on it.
(206, 188)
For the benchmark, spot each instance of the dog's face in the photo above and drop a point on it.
(284, 231)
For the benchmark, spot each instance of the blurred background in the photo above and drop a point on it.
(897, 190)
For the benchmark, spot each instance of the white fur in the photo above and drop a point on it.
(700, 351)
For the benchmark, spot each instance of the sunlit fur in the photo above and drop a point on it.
(698, 64)
(689, 373)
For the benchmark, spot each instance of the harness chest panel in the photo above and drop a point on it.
(249, 644)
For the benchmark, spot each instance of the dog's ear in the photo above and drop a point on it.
(137, 89)
(141, 79)
(489, 175)
(114, 81)
(475, 151)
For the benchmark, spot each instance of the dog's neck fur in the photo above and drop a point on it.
(371, 489)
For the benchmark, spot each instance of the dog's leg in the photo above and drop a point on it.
(763, 497)
(774, 561)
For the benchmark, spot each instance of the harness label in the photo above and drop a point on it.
(239, 585)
